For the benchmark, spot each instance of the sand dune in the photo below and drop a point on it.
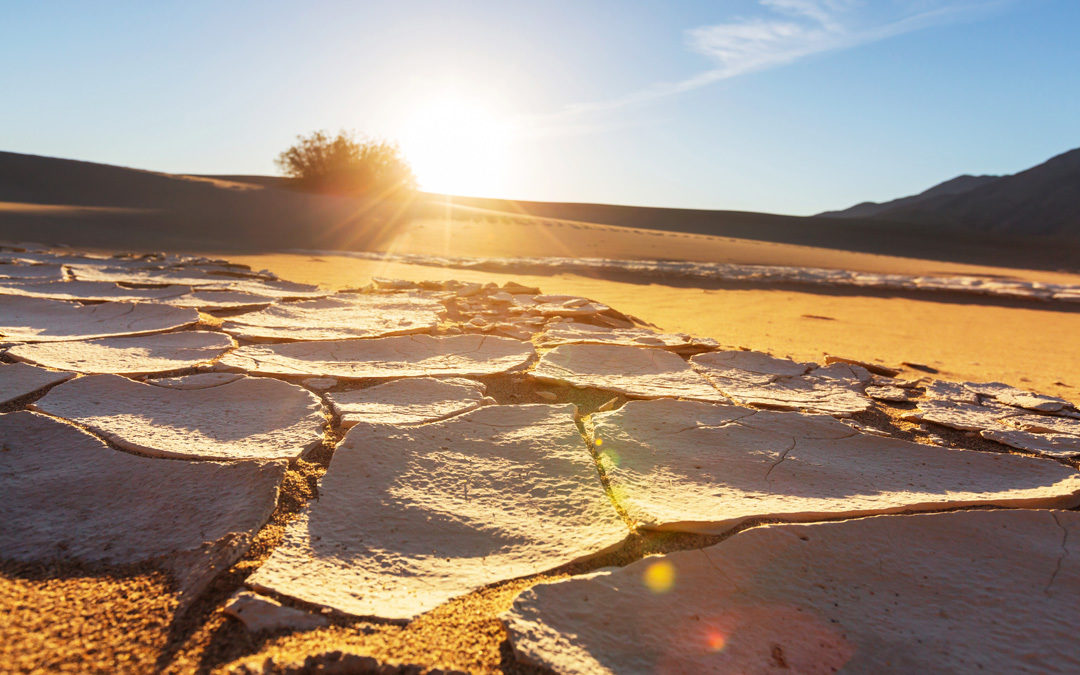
(843, 234)
(87, 204)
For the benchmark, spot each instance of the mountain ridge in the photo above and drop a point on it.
(1043, 200)
(959, 184)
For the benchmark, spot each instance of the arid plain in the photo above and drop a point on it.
(963, 336)
(262, 470)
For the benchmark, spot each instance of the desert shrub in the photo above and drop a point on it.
(345, 164)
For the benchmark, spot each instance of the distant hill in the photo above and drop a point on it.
(953, 186)
(1041, 201)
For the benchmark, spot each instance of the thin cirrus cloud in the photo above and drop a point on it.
(784, 31)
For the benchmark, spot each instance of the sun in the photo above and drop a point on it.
(457, 146)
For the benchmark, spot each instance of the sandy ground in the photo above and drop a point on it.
(510, 237)
(1029, 345)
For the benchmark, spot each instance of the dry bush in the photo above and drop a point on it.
(344, 164)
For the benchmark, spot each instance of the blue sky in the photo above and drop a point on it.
(789, 106)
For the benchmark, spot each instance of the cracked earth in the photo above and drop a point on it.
(206, 468)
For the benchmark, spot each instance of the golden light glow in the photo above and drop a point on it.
(457, 145)
(659, 577)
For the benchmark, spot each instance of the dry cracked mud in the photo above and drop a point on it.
(523, 483)
(968, 591)
(413, 400)
(342, 316)
(410, 517)
(140, 355)
(246, 418)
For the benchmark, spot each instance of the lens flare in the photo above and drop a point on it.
(659, 577)
(715, 640)
(609, 459)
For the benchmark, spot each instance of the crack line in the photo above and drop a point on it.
(783, 456)
(1064, 553)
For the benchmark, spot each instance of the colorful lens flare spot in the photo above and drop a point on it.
(715, 640)
(609, 458)
(659, 577)
(599, 441)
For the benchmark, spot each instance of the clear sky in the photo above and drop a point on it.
(789, 106)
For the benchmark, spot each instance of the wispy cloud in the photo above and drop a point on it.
(785, 31)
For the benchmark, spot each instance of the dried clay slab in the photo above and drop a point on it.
(749, 366)
(969, 591)
(581, 333)
(140, 355)
(343, 316)
(44, 272)
(37, 320)
(1046, 424)
(413, 400)
(45, 256)
(409, 517)
(214, 301)
(634, 371)
(1051, 434)
(69, 497)
(282, 290)
(565, 305)
(198, 278)
(891, 394)
(876, 368)
(1046, 443)
(140, 272)
(942, 391)
(249, 418)
(259, 613)
(696, 467)
(1019, 398)
(196, 381)
(91, 291)
(21, 379)
(391, 357)
(961, 415)
(757, 379)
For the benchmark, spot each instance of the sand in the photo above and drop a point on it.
(553, 238)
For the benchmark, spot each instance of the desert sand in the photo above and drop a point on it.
(510, 235)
